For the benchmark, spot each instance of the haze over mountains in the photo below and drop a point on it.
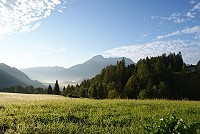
(10, 76)
(76, 73)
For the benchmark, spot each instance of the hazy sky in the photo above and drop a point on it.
(68, 32)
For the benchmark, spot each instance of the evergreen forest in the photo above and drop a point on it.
(165, 76)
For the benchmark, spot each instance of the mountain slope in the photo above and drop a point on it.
(6, 80)
(12, 76)
(87, 69)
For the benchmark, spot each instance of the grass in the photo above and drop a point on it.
(22, 113)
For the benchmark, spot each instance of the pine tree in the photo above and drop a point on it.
(49, 90)
(56, 88)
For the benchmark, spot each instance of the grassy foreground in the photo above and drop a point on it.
(21, 113)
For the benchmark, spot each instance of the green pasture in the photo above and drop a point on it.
(22, 113)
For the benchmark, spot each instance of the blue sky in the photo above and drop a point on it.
(68, 32)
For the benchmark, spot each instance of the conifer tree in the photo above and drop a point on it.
(56, 88)
(49, 90)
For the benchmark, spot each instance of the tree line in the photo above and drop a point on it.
(32, 90)
(165, 76)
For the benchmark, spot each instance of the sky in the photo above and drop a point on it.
(68, 32)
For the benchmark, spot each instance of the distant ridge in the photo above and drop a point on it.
(88, 69)
(10, 76)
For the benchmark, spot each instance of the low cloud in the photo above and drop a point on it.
(190, 51)
(25, 16)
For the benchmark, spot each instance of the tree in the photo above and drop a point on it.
(111, 90)
(179, 62)
(92, 92)
(112, 94)
(49, 90)
(131, 88)
(198, 66)
(143, 71)
(56, 88)
(193, 88)
(30, 89)
(121, 75)
(144, 94)
(82, 92)
(162, 90)
(101, 91)
(39, 90)
(64, 92)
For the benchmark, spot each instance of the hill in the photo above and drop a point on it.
(11, 76)
(87, 69)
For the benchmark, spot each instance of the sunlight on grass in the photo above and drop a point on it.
(23, 113)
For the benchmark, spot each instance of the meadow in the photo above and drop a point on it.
(23, 113)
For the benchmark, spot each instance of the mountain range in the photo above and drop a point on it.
(10, 76)
(75, 73)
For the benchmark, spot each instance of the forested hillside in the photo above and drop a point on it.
(165, 76)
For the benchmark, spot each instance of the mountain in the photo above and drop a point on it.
(10, 76)
(45, 74)
(87, 69)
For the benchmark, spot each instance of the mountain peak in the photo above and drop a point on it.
(3, 64)
(88, 69)
(98, 57)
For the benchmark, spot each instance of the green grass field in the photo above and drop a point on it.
(22, 113)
